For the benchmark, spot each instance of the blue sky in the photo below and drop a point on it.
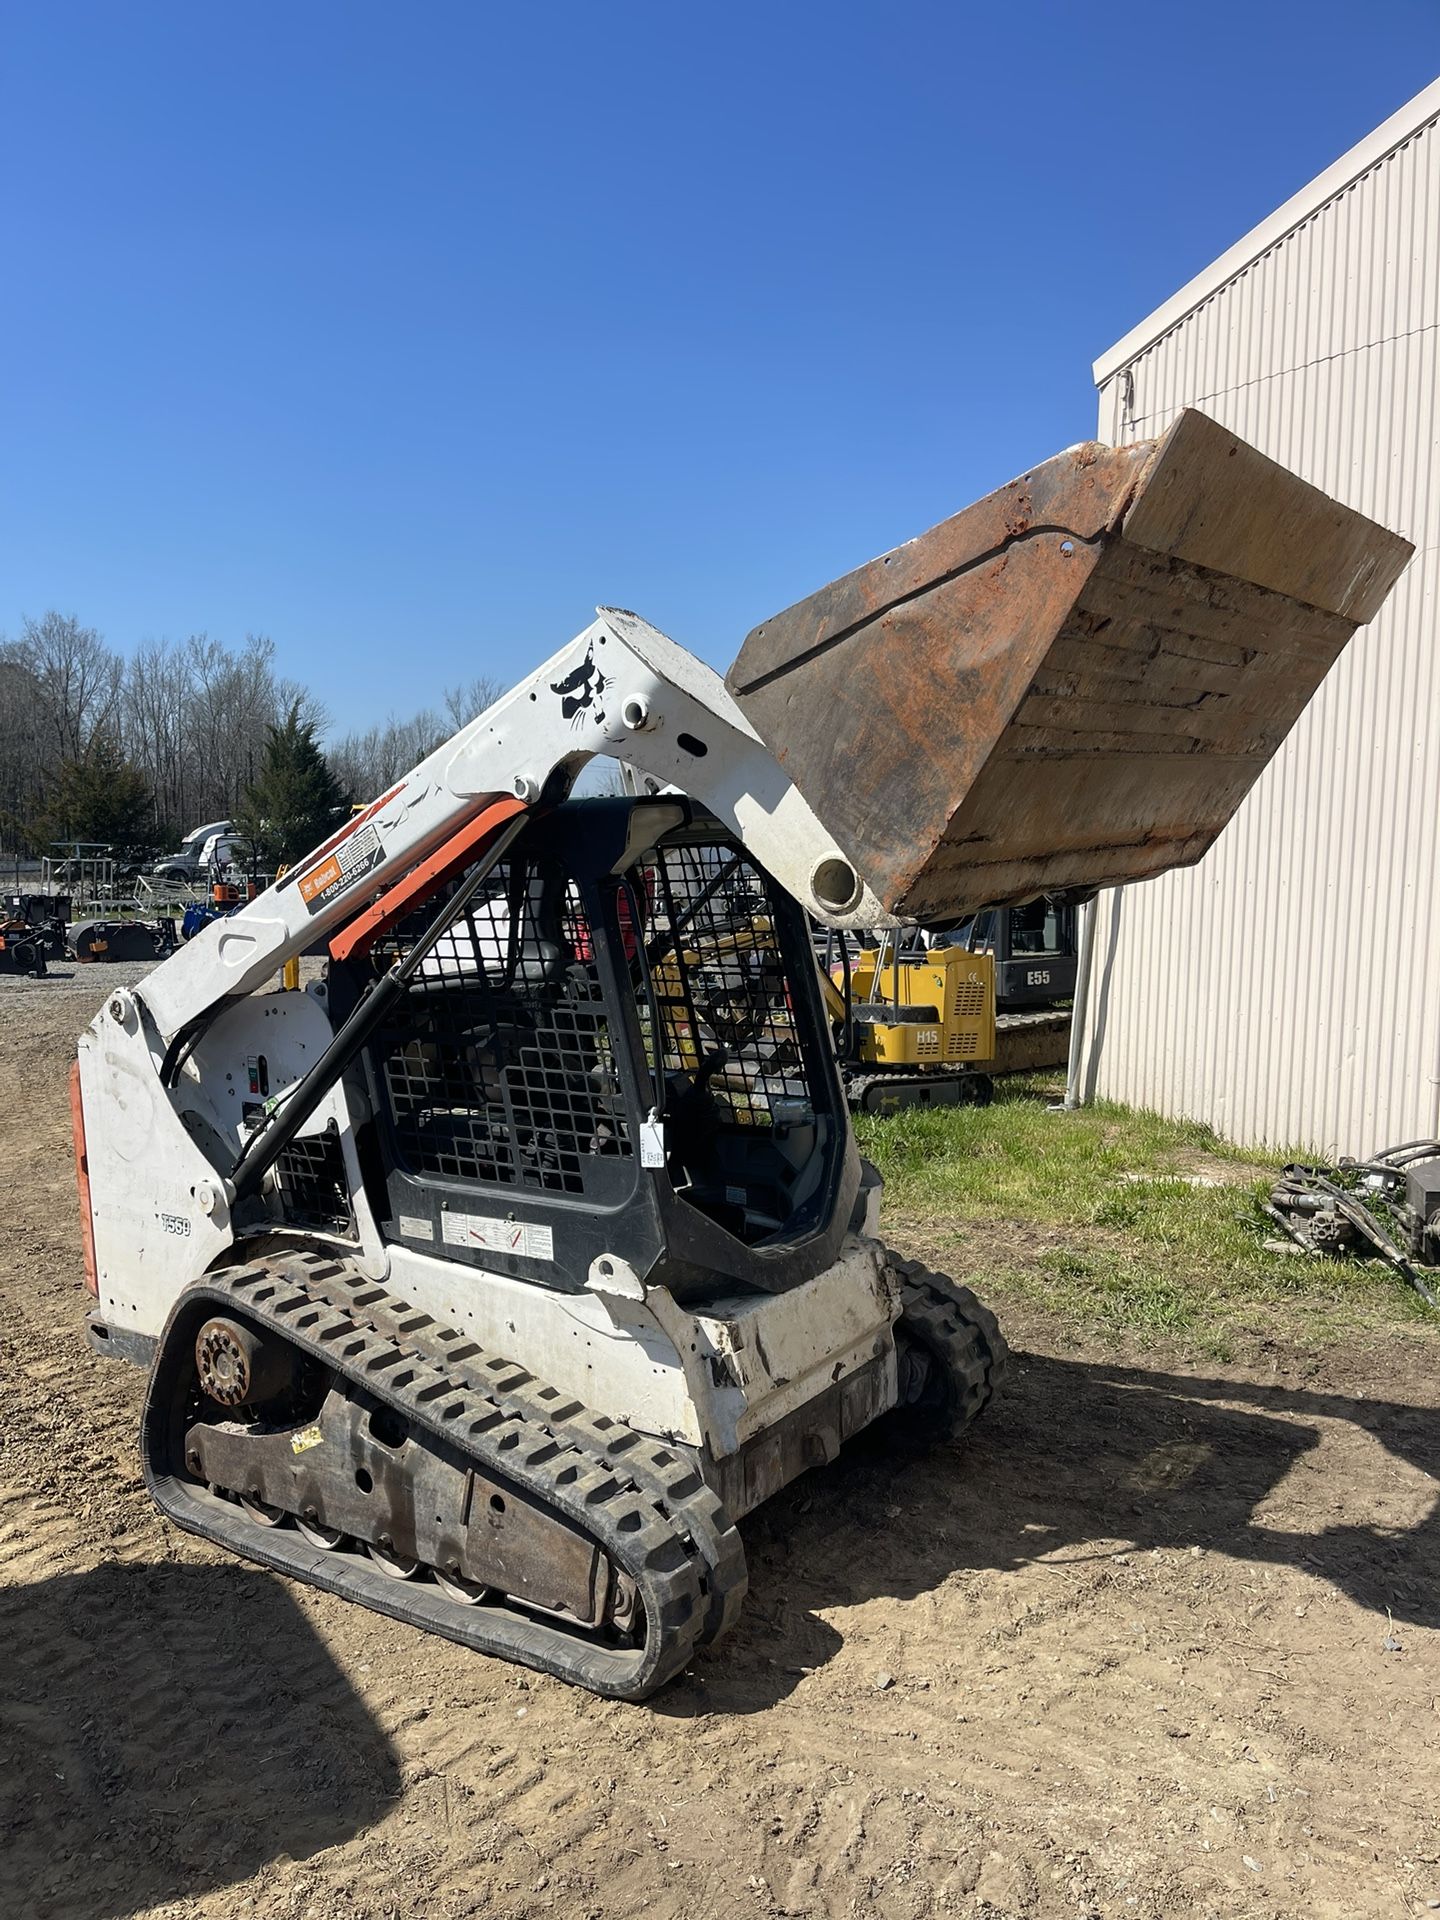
(406, 334)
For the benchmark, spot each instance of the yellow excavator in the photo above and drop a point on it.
(914, 1026)
(927, 1019)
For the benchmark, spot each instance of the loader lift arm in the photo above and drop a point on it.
(621, 688)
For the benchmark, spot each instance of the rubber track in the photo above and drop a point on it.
(857, 1089)
(644, 1503)
(956, 1329)
(669, 1474)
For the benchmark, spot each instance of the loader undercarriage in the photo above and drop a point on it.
(569, 1543)
(395, 1463)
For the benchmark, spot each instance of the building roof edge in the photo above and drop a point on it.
(1394, 132)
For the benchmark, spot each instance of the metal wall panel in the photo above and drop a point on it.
(1287, 990)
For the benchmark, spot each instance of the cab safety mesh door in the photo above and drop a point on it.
(499, 1071)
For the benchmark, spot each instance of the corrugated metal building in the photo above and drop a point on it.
(1287, 990)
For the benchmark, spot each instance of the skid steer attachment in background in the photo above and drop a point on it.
(1074, 682)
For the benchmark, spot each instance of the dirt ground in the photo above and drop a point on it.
(1150, 1643)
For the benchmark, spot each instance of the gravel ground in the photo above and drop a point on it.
(1153, 1642)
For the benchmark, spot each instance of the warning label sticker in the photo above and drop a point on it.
(349, 862)
(497, 1236)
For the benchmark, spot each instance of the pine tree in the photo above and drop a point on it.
(294, 801)
(99, 796)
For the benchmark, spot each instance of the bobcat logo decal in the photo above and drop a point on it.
(581, 689)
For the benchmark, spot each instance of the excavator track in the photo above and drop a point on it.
(1033, 1042)
(889, 1092)
(956, 1355)
(625, 1521)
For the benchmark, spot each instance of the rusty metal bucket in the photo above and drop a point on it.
(1075, 681)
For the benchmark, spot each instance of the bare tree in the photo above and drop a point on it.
(370, 762)
(471, 697)
(191, 717)
(78, 676)
(235, 699)
(292, 696)
(195, 719)
(23, 759)
(599, 778)
(155, 712)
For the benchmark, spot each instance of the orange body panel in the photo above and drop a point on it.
(427, 878)
(82, 1182)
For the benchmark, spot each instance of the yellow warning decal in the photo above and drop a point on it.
(306, 1438)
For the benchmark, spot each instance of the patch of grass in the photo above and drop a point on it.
(1093, 1216)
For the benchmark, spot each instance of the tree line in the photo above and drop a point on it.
(135, 751)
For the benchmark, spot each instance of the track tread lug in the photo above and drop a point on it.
(665, 1525)
(947, 1319)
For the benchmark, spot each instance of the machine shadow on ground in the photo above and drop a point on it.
(166, 1730)
(1074, 1460)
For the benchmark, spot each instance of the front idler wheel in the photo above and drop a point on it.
(237, 1367)
(950, 1353)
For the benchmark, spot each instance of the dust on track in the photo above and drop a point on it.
(1153, 1642)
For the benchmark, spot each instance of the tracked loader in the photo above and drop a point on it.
(491, 1278)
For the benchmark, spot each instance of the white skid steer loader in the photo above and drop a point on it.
(491, 1278)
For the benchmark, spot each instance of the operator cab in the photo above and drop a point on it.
(615, 1047)
(1033, 947)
